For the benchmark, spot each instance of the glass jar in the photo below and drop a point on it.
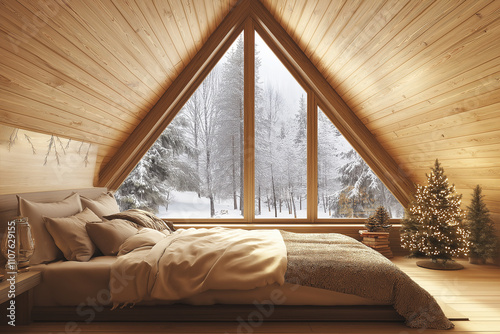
(17, 244)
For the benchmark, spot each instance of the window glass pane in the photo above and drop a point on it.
(280, 139)
(347, 187)
(195, 168)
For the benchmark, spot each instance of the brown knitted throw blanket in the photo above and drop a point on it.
(340, 263)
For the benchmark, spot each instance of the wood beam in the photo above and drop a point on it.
(174, 98)
(334, 106)
(249, 123)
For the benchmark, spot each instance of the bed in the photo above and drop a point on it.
(319, 277)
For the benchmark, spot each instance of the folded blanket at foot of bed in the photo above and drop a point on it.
(340, 263)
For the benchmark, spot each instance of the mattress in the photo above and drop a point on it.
(73, 283)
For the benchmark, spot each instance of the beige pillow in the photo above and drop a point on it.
(109, 235)
(103, 205)
(144, 219)
(45, 248)
(146, 237)
(70, 235)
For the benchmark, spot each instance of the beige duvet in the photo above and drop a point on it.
(153, 265)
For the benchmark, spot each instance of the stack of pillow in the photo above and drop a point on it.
(77, 228)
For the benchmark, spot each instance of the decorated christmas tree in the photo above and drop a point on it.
(482, 232)
(379, 221)
(436, 226)
(410, 236)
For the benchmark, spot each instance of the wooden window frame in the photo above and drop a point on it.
(250, 17)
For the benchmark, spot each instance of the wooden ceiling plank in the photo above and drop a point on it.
(304, 22)
(477, 94)
(42, 125)
(38, 110)
(138, 143)
(168, 19)
(449, 164)
(50, 58)
(288, 11)
(470, 59)
(350, 23)
(373, 37)
(20, 84)
(463, 79)
(336, 109)
(466, 136)
(210, 13)
(80, 56)
(444, 121)
(202, 20)
(146, 29)
(371, 21)
(336, 17)
(316, 20)
(114, 34)
(417, 36)
(189, 29)
(375, 47)
(297, 14)
(77, 93)
(433, 41)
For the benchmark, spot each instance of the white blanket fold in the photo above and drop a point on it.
(188, 262)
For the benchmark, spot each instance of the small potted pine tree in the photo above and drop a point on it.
(379, 221)
(377, 236)
(483, 241)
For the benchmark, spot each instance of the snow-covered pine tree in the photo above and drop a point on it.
(436, 212)
(483, 239)
(163, 168)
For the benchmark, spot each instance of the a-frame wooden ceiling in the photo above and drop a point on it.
(423, 76)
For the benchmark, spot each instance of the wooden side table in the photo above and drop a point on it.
(25, 282)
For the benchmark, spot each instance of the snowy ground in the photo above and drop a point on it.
(188, 205)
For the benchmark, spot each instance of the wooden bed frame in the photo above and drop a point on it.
(219, 312)
(180, 312)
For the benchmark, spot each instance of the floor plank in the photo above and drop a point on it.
(474, 291)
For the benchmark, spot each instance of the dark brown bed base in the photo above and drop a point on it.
(224, 313)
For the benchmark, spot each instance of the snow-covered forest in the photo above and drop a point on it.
(195, 168)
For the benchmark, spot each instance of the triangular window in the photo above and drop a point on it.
(347, 187)
(202, 164)
(195, 169)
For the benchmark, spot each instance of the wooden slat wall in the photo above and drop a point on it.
(423, 76)
(29, 161)
(91, 70)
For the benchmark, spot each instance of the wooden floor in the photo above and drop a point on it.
(474, 291)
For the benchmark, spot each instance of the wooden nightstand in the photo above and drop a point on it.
(25, 282)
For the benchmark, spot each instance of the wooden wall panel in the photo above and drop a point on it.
(31, 161)
(91, 70)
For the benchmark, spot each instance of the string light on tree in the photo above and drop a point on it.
(433, 225)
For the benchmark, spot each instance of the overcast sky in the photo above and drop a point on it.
(274, 72)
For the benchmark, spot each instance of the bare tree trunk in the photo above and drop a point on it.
(274, 194)
(259, 212)
(242, 152)
(293, 205)
(235, 197)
